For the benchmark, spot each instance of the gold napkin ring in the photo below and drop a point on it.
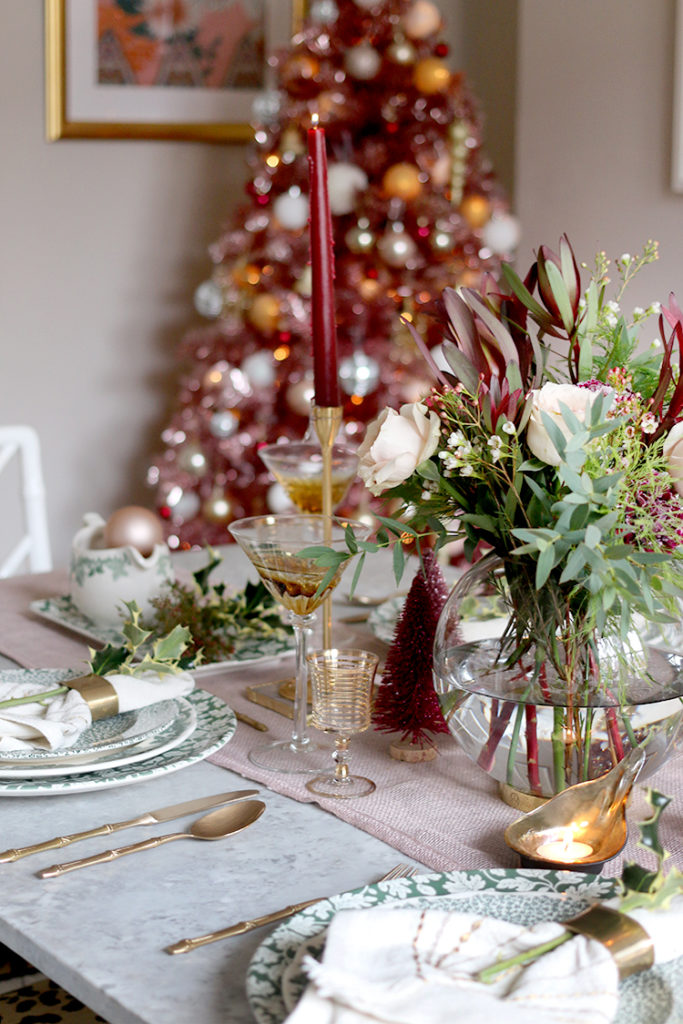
(98, 693)
(627, 941)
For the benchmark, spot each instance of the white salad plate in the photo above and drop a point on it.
(275, 980)
(215, 725)
(62, 612)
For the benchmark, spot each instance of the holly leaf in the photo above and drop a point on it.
(109, 659)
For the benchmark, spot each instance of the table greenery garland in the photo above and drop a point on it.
(553, 442)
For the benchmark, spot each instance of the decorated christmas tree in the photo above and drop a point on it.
(416, 207)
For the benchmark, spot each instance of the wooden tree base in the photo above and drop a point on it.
(404, 750)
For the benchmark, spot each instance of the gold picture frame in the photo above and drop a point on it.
(77, 106)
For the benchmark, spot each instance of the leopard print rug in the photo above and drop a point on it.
(28, 997)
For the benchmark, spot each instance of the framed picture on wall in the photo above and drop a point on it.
(160, 69)
(677, 135)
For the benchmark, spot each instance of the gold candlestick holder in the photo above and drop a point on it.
(327, 421)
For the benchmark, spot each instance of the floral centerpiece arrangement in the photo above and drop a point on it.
(555, 444)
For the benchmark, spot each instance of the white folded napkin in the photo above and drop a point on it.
(60, 720)
(408, 966)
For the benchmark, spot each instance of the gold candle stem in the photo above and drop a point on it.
(327, 421)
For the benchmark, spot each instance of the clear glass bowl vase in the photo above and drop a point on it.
(537, 728)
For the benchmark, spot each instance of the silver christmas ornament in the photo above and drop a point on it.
(223, 424)
(259, 369)
(266, 107)
(359, 374)
(208, 300)
(323, 12)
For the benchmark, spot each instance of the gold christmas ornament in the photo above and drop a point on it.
(264, 313)
(476, 209)
(401, 52)
(133, 526)
(291, 141)
(369, 288)
(402, 181)
(422, 19)
(217, 508)
(431, 75)
(360, 238)
(300, 68)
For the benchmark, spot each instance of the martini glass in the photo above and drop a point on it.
(272, 543)
(298, 468)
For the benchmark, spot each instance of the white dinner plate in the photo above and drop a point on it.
(63, 612)
(183, 724)
(215, 726)
(117, 732)
(275, 982)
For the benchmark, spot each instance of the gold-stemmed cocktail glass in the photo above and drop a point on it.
(298, 468)
(272, 543)
(341, 691)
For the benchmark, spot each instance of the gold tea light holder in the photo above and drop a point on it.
(582, 827)
(327, 421)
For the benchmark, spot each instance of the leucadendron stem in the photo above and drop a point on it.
(33, 698)
(489, 973)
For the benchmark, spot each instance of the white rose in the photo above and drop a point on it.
(547, 400)
(395, 444)
(673, 453)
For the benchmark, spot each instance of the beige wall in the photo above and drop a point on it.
(594, 120)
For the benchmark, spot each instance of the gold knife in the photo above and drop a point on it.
(149, 818)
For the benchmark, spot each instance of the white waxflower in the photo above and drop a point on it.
(638, 311)
(655, 307)
(456, 439)
(467, 471)
(509, 427)
(648, 424)
(625, 258)
(612, 306)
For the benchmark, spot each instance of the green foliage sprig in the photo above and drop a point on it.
(218, 620)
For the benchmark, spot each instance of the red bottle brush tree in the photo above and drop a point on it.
(406, 701)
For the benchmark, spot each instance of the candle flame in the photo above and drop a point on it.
(315, 119)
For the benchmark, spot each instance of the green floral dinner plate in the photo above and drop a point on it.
(63, 612)
(215, 725)
(123, 730)
(275, 981)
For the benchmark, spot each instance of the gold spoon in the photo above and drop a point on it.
(226, 821)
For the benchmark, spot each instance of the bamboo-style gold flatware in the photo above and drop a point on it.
(148, 818)
(187, 945)
(220, 824)
(248, 720)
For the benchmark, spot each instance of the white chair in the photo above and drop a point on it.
(33, 548)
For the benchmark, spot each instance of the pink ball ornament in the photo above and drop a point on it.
(291, 209)
(501, 233)
(344, 182)
(300, 396)
(362, 62)
(133, 526)
(422, 19)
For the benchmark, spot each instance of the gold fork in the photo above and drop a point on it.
(187, 945)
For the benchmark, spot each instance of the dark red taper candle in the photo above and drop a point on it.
(324, 328)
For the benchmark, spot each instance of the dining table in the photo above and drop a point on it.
(102, 932)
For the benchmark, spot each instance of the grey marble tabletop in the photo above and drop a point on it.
(100, 932)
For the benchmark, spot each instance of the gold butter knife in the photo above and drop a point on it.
(148, 818)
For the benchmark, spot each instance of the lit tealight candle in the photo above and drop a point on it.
(564, 849)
